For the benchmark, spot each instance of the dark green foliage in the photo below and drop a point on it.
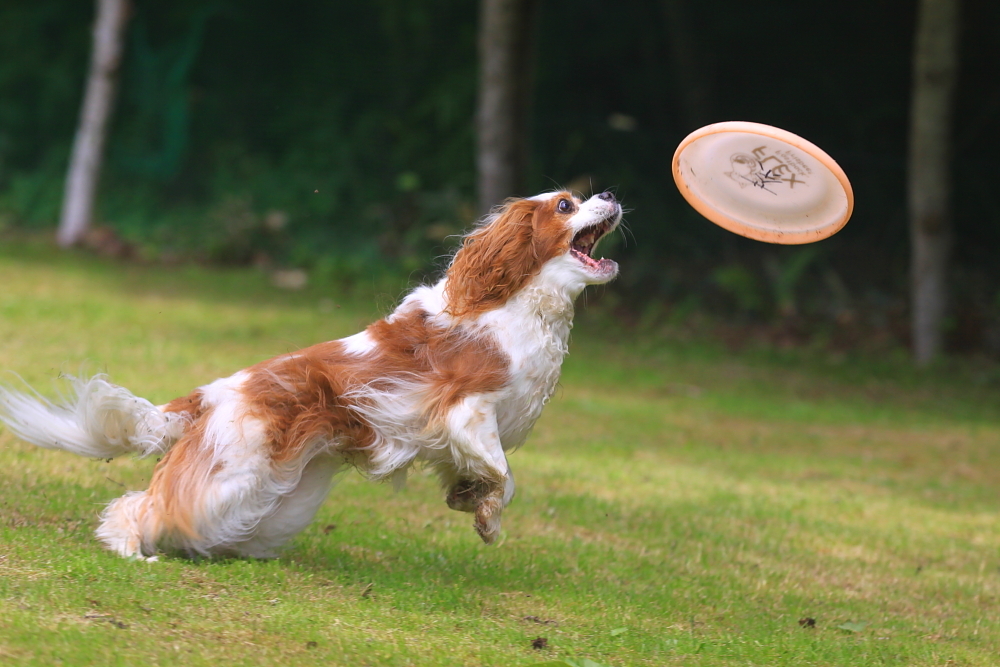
(352, 122)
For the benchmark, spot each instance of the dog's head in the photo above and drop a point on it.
(551, 235)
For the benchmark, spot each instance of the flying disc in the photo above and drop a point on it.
(763, 183)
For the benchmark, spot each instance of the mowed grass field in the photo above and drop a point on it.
(677, 505)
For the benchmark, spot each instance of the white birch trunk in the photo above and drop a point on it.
(88, 146)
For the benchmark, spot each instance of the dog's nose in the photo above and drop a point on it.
(607, 196)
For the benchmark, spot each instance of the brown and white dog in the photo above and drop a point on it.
(454, 378)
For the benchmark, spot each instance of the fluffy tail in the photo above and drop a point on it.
(97, 419)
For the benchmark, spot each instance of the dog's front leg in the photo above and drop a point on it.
(483, 481)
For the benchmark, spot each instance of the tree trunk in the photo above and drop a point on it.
(694, 85)
(935, 66)
(506, 54)
(88, 146)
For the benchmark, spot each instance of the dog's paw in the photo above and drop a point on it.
(488, 519)
(464, 495)
(141, 558)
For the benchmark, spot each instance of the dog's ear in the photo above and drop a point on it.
(497, 259)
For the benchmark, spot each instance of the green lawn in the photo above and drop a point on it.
(676, 504)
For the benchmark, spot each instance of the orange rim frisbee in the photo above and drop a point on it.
(762, 182)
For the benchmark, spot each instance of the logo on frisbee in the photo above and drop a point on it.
(749, 169)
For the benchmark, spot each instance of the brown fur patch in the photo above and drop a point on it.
(174, 489)
(301, 396)
(178, 480)
(451, 362)
(190, 404)
(497, 259)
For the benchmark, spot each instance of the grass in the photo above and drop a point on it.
(677, 504)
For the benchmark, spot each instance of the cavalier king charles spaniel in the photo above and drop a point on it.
(453, 379)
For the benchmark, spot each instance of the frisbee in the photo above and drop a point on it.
(762, 182)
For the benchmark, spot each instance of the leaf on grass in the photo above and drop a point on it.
(851, 626)
(618, 631)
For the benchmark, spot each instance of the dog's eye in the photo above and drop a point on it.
(564, 206)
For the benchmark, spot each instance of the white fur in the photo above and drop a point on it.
(251, 506)
(544, 196)
(97, 419)
(359, 343)
(124, 526)
(293, 510)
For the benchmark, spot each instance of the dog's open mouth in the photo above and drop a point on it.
(586, 240)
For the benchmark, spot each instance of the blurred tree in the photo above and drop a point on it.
(506, 54)
(689, 65)
(935, 65)
(88, 147)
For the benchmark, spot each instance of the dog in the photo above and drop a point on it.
(453, 379)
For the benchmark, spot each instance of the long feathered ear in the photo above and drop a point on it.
(495, 260)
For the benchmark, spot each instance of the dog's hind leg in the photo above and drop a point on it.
(130, 526)
(220, 496)
(198, 501)
(169, 512)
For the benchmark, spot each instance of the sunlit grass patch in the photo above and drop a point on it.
(675, 505)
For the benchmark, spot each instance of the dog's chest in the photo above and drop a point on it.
(536, 347)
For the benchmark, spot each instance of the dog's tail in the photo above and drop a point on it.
(96, 419)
